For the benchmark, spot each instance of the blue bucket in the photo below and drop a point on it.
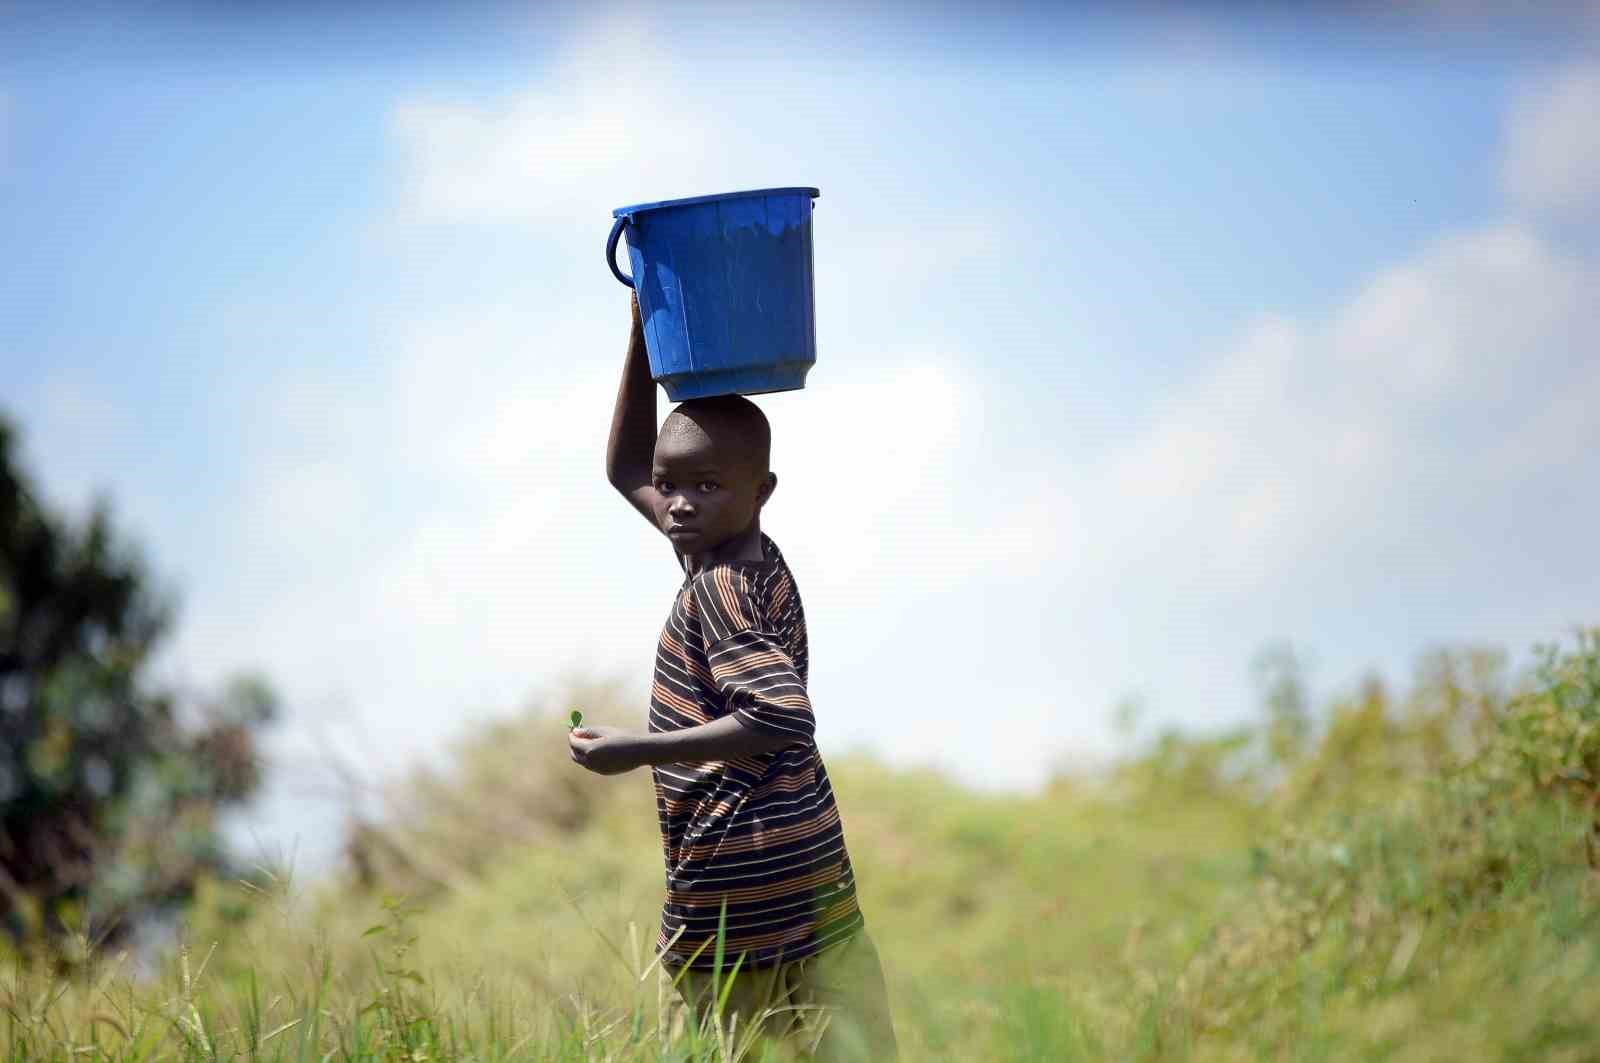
(725, 289)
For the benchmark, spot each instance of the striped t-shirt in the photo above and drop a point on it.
(761, 833)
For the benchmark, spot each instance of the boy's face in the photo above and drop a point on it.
(706, 493)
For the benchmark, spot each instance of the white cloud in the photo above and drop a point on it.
(437, 536)
(431, 541)
(1383, 443)
(1422, 393)
(1313, 459)
(72, 423)
(1552, 160)
(581, 134)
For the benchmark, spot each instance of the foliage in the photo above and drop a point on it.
(1402, 877)
(108, 800)
(1426, 854)
(508, 786)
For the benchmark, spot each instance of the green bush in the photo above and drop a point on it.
(1416, 842)
(1398, 877)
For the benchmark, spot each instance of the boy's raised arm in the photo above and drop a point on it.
(631, 449)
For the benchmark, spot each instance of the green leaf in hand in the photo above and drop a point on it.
(577, 719)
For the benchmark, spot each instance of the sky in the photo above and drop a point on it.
(1144, 341)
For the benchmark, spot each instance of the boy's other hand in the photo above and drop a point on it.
(604, 750)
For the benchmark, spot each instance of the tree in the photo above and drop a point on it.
(109, 789)
(1280, 675)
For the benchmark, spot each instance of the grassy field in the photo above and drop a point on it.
(1411, 878)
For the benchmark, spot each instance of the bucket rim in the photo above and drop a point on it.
(639, 208)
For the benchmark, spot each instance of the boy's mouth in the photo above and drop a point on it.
(681, 531)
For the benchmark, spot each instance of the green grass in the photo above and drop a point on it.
(1413, 884)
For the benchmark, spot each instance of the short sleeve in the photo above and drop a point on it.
(726, 599)
(750, 665)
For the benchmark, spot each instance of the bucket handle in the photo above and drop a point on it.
(611, 250)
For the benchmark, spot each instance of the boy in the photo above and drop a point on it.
(747, 813)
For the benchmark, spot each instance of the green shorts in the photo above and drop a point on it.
(834, 1005)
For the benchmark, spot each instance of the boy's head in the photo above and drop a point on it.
(710, 471)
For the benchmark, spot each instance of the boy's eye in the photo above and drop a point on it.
(664, 486)
(708, 485)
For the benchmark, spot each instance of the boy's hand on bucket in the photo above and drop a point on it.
(604, 750)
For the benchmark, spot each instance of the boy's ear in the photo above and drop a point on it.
(768, 484)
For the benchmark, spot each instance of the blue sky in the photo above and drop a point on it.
(1143, 342)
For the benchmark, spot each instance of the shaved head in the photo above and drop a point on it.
(735, 426)
(711, 478)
